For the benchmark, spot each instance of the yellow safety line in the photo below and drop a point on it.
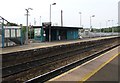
(100, 67)
(79, 66)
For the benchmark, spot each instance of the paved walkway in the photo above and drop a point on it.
(45, 44)
(85, 71)
(108, 73)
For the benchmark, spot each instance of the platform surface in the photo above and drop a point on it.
(108, 73)
(102, 68)
(45, 44)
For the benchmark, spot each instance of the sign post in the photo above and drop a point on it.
(47, 25)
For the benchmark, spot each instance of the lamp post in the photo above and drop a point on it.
(100, 29)
(91, 22)
(27, 13)
(34, 21)
(107, 24)
(80, 18)
(61, 18)
(40, 21)
(112, 27)
(50, 23)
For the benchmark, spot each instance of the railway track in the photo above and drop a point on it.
(18, 68)
(42, 53)
(47, 76)
(11, 70)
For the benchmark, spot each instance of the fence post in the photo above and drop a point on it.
(21, 38)
(3, 34)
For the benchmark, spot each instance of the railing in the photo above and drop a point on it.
(9, 33)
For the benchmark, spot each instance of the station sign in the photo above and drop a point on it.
(46, 24)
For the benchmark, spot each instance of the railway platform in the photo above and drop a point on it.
(32, 46)
(103, 68)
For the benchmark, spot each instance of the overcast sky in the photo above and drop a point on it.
(14, 11)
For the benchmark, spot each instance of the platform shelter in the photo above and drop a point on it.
(57, 33)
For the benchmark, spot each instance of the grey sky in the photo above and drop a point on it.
(14, 11)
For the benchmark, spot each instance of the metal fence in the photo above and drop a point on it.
(87, 34)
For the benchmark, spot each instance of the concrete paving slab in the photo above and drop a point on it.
(46, 44)
(88, 69)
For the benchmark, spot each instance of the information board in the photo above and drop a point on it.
(37, 31)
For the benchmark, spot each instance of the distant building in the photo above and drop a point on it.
(119, 13)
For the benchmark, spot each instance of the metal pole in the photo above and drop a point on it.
(50, 12)
(90, 24)
(50, 22)
(112, 27)
(90, 27)
(21, 39)
(50, 26)
(108, 27)
(27, 27)
(27, 10)
(61, 17)
(34, 21)
(30, 32)
(80, 19)
(91, 21)
(100, 29)
(3, 34)
(40, 20)
(106, 24)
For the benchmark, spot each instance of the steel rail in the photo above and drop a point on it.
(47, 76)
(8, 71)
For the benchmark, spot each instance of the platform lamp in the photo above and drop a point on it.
(27, 13)
(100, 29)
(40, 20)
(80, 18)
(50, 22)
(112, 27)
(91, 22)
(107, 25)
